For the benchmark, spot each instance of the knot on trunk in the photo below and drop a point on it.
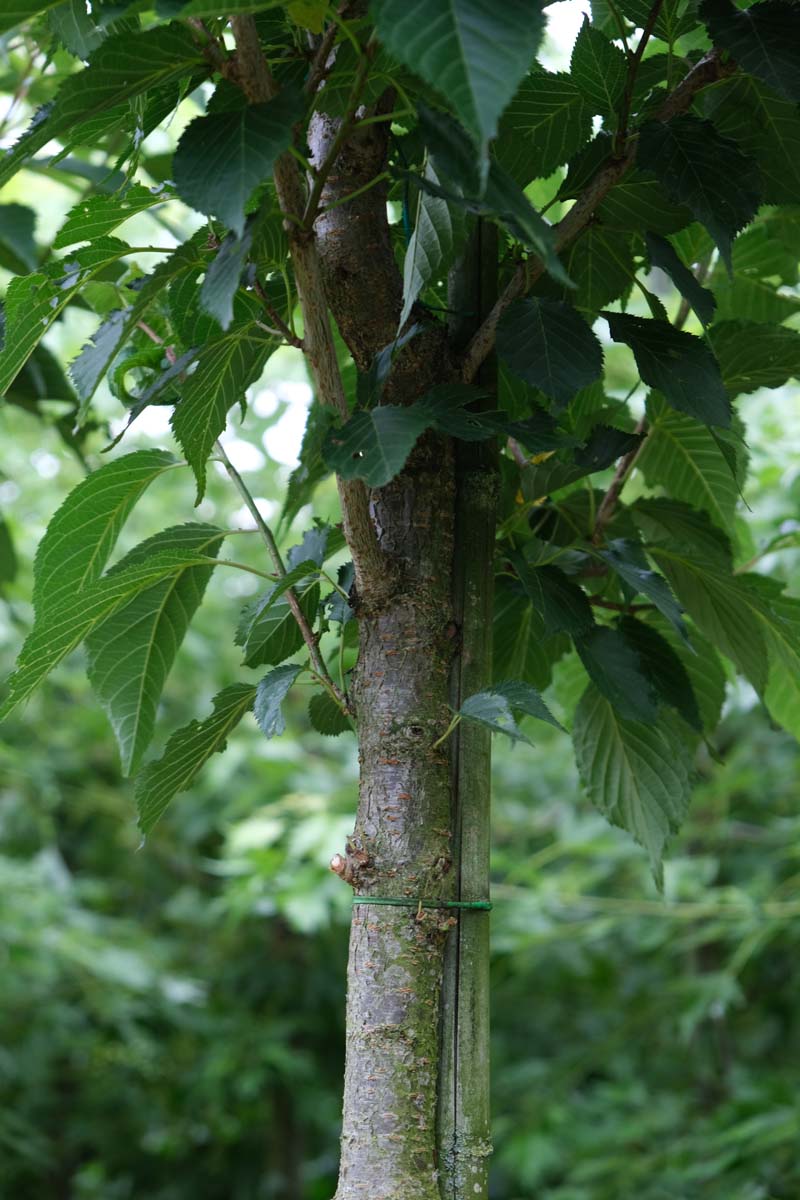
(350, 865)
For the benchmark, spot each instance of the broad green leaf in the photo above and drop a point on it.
(765, 126)
(637, 775)
(674, 18)
(599, 68)
(374, 445)
(615, 669)
(628, 560)
(18, 250)
(96, 216)
(518, 633)
(125, 66)
(75, 28)
(549, 345)
(326, 716)
(8, 555)
(14, 12)
(705, 171)
(34, 302)
(430, 247)
(270, 695)
(752, 356)
(561, 604)
(494, 708)
(677, 364)
(223, 157)
(723, 608)
(88, 368)
(58, 629)
(238, 8)
(664, 668)
(225, 369)
(753, 300)
(306, 569)
(704, 668)
(638, 203)
(223, 275)
(268, 631)
(187, 752)
(662, 255)
(471, 52)
(683, 457)
(131, 653)
(764, 40)
(663, 519)
(312, 468)
(84, 530)
(546, 122)
(601, 267)
(782, 695)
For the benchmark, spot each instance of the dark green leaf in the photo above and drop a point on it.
(270, 695)
(548, 344)
(765, 126)
(600, 265)
(662, 255)
(752, 356)
(76, 29)
(599, 68)
(663, 519)
(705, 171)
(638, 203)
(763, 39)
(494, 708)
(546, 122)
(269, 632)
(615, 669)
(18, 250)
(187, 752)
(664, 669)
(430, 248)
(604, 446)
(563, 606)
(630, 563)
(8, 556)
(326, 716)
(221, 282)
(96, 216)
(374, 445)
(519, 635)
(677, 364)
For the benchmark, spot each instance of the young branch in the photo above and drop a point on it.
(630, 82)
(277, 320)
(706, 71)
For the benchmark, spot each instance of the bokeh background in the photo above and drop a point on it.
(171, 1014)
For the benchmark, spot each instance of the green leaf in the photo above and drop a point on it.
(34, 302)
(764, 40)
(187, 752)
(562, 605)
(675, 17)
(782, 694)
(269, 632)
(430, 248)
(677, 364)
(312, 468)
(753, 300)
(765, 126)
(599, 68)
(752, 356)
(615, 669)
(326, 716)
(374, 445)
(722, 607)
(96, 216)
(637, 775)
(225, 369)
(75, 28)
(18, 250)
(518, 633)
(663, 519)
(84, 530)
(546, 122)
(704, 668)
(131, 653)
(629, 562)
(601, 267)
(88, 368)
(683, 457)
(223, 157)
(665, 670)
(494, 708)
(126, 65)
(16, 11)
(638, 203)
(8, 555)
(222, 278)
(662, 255)
(705, 171)
(549, 345)
(469, 51)
(270, 695)
(58, 629)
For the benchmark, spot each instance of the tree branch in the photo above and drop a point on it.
(630, 82)
(706, 71)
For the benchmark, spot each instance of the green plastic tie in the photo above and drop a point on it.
(479, 905)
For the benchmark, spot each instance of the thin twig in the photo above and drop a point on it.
(319, 67)
(630, 82)
(294, 604)
(277, 320)
(342, 134)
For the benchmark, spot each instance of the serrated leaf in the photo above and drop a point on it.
(374, 445)
(75, 28)
(187, 752)
(601, 266)
(753, 300)
(615, 670)
(18, 250)
(628, 560)
(270, 695)
(663, 519)
(430, 247)
(222, 158)
(96, 216)
(470, 52)
(549, 345)
(14, 12)
(722, 607)
(638, 203)
(124, 66)
(312, 468)
(222, 277)
(704, 668)
(705, 171)
(34, 302)
(494, 708)
(675, 17)
(562, 605)
(763, 39)
(326, 716)
(682, 456)
(752, 356)
(677, 364)
(664, 668)
(268, 630)
(131, 653)
(662, 255)
(58, 629)
(782, 694)
(637, 775)
(599, 68)
(8, 555)
(604, 446)
(518, 633)
(546, 122)
(225, 369)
